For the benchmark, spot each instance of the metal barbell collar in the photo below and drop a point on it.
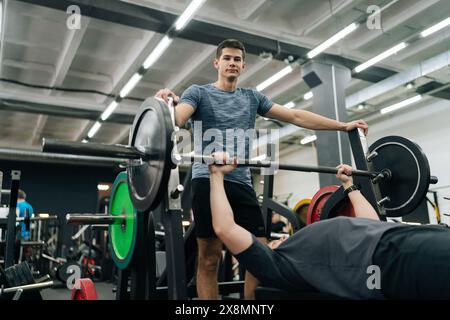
(41, 285)
(383, 201)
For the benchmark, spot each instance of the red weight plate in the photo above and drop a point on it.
(86, 290)
(317, 203)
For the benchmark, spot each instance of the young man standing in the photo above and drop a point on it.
(219, 107)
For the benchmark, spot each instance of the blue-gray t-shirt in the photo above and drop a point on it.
(224, 121)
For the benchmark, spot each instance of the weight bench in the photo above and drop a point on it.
(307, 293)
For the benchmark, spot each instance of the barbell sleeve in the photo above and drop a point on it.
(72, 218)
(41, 285)
(37, 218)
(92, 149)
(43, 279)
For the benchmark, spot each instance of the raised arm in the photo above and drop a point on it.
(363, 208)
(183, 111)
(313, 121)
(236, 238)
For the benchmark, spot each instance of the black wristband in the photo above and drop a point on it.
(353, 187)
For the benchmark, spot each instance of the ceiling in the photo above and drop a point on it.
(55, 82)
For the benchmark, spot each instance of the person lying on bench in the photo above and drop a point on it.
(352, 258)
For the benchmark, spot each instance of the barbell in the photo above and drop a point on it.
(401, 169)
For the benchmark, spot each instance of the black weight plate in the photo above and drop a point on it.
(12, 277)
(152, 130)
(28, 274)
(21, 273)
(24, 273)
(62, 271)
(410, 174)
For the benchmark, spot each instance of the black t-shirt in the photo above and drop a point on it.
(331, 256)
(415, 262)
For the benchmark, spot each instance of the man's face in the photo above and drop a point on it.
(230, 64)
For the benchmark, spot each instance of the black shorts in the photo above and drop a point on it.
(414, 262)
(244, 204)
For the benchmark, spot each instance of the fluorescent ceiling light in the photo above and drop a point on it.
(157, 52)
(436, 27)
(308, 139)
(130, 85)
(290, 105)
(94, 129)
(277, 76)
(308, 95)
(109, 110)
(401, 104)
(328, 43)
(102, 187)
(381, 56)
(187, 14)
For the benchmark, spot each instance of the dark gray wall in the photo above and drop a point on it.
(58, 189)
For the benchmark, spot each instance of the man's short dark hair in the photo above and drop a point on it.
(21, 194)
(230, 43)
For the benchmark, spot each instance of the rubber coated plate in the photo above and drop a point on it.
(152, 130)
(317, 203)
(24, 271)
(337, 204)
(84, 289)
(123, 233)
(12, 277)
(301, 208)
(65, 270)
(410, 174)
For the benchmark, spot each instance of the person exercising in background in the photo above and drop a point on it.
(24, 210)
(223, 106)
(334, 256)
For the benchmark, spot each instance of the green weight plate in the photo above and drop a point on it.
(123, 233)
